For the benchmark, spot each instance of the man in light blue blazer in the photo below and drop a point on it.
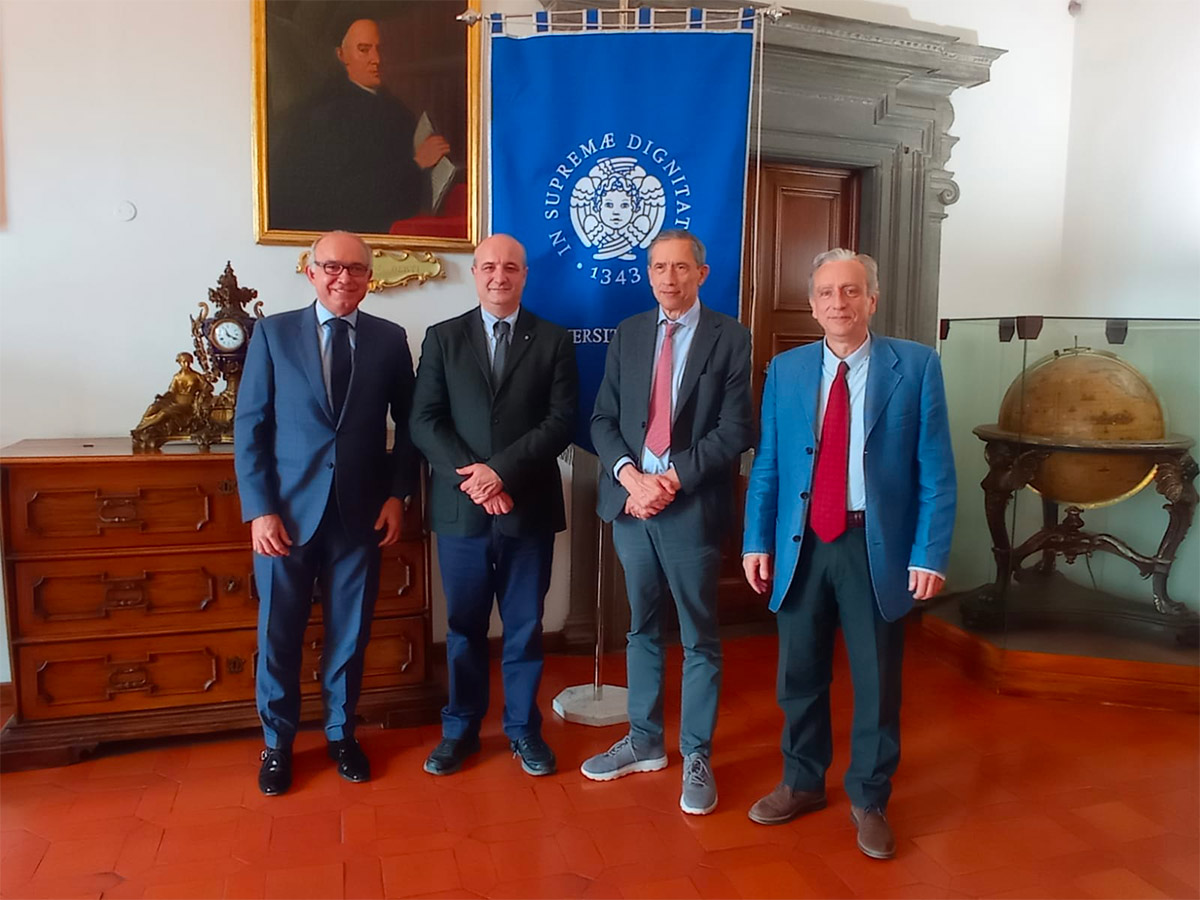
(849, 512)
(321, 491)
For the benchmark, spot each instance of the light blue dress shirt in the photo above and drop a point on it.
(681, 345)
(489, 329)
(325, 335)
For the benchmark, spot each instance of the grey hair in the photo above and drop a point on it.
(839, 254)
(679, 234)
(368, 253)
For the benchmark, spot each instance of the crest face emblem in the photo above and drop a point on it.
(617, 207)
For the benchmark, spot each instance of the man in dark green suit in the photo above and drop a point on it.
(494, 405)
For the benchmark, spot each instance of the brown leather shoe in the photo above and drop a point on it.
(783, 804)
(874, 833)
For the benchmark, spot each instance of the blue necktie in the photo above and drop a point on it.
(339, 364)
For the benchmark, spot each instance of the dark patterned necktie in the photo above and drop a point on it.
(828, 514)
(339, 364)
(500, 329)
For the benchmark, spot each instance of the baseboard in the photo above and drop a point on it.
(1028, 674)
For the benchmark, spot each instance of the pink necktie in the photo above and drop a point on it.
(658, 428)
(827, 516)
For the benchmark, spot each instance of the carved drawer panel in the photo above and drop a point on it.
(125, 595)
(80, 678)
(395, 655)
(401, 582)
(94, 507)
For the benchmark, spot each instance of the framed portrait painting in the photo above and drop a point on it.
(366, 119)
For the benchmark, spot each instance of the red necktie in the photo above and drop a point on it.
(827, 517)
(658, 428)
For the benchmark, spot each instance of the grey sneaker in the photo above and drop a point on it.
(699, 796)
(620, 760)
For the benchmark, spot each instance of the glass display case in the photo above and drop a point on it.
(1074, 445)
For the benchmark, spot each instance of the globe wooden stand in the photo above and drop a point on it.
(1013, 462)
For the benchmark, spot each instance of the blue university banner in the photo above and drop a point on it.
(599, 141)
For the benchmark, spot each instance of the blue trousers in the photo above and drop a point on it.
(515, 572)
(660, 553)
(348, 572)
(832, 587)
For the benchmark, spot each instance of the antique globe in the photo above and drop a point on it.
(1086, 398)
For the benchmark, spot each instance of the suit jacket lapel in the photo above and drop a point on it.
(364, 355)
(810, 374)
(522, 337)
(708, 329)
(472, 324)
(640, 353)
(310, 357)
(882, 379)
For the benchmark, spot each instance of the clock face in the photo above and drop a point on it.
(228, 335)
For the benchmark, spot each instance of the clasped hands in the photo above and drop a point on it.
(485, 488)
(648, 494)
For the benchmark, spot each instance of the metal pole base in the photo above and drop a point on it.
(585, 704)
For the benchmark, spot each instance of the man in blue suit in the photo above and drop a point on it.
(849, 512)
(321, 491)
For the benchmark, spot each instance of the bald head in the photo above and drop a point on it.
(359, 53)
(499, 272)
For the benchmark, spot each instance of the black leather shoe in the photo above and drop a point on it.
(275, 773)
(353, 764)
(536, 756)
(450, 754)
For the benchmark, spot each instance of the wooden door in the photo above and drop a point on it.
(802, 211)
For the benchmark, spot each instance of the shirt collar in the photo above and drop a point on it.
(489, 321)
(324, 315)
(829, 359)
(687, 320)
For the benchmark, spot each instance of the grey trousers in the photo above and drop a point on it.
(658, 554)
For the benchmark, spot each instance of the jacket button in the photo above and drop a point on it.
(795, 538)
(495, 421)
(329, 465)
(804, 495)
(808, 450)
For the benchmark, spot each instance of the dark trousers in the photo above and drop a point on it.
(833, 586)
(348, 572)
(660, 553)
(516, 572)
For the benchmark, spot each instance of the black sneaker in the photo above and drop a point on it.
(450, 754)
(275, 773)
(536, 756)
(353, 764)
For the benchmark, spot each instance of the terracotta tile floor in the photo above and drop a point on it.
(996, 797)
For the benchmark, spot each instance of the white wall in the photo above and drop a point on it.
(117, 100)
(1133, 186)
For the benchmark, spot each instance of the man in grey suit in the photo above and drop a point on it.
(672, 416)
(495, 402)
(321, 492)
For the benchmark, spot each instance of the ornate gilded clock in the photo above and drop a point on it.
(190, 409)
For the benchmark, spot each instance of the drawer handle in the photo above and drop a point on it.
(129, 678)
(232, 584)
(235, 665)
(227, 486)
(118, 510)
(124, 594)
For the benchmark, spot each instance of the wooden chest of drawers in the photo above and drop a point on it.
(132, 609)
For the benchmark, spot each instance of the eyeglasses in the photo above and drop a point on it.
(355, 270)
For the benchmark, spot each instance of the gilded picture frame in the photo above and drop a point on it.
(351, 100)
